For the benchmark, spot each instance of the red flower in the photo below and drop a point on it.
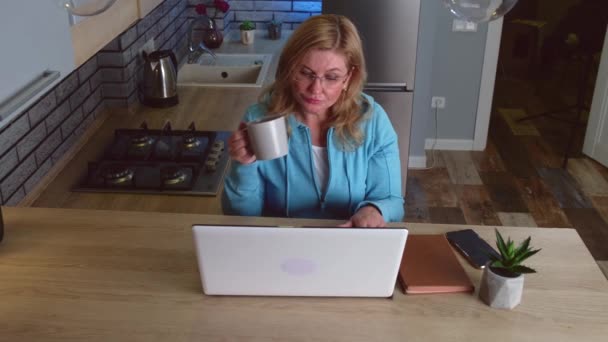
(221, 5)
(201, 9)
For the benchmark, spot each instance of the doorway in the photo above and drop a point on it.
(548, 61)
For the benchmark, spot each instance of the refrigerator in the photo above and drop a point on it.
(389, 31)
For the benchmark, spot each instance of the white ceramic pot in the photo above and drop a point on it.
(500, 292)
(247, 36)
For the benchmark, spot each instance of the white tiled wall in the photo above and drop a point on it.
(290, 12)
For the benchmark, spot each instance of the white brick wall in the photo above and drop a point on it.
(253, 16)
(307, 6)
(273, 5)
(291, 12)
(297, 17)
(242, 5)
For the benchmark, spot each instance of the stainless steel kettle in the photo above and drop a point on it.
(160, 79)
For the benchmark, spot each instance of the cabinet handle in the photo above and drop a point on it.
(24, 94)
(86, 10)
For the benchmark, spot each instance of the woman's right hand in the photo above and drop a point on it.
(239, 146)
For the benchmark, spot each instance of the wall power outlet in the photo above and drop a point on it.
(438, 102)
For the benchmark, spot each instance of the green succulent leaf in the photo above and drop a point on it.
(247, 25)
(500, 243)
(497, 263)
(511, 248)
(522, 269)
(493, 257)
(524, 246)
(511, 257)
(523, 256)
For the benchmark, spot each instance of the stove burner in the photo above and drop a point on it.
(141, 140)
(173, 175)
(160, 161)
(190, 141)
(118, 175)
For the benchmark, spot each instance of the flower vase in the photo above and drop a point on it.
(213, 37)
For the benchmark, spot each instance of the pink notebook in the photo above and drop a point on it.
(429, 265)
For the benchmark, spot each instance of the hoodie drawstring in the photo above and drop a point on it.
(286, 186)
(350, 194)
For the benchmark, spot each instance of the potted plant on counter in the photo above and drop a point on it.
(247, 32)
(502, 281)
(274, 29)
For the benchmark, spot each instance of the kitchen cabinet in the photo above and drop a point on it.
(35, 36)
(93, 33)
(145, 6)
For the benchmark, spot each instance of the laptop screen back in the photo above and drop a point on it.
(273, 261)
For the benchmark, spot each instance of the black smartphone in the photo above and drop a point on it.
(475, 249)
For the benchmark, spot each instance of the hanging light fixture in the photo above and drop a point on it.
(86, 8)
(479, 11)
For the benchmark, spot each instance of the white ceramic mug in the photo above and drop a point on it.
(268, 137)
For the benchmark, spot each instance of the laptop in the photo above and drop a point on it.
(287, 261)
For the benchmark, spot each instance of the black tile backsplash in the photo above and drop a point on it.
(42, 170)
(40, 136)
(48, 146)
(31, 140)
(19, 175)
(57, 116)
(66, 87)
(8, 162)
(40, 110)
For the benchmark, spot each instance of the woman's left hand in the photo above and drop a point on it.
(366, 217)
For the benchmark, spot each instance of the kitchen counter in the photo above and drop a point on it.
(261, 44)
(210, 108)
(93, 275)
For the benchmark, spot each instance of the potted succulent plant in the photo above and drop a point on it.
(274, 29)
(502, 281)
(247, 32)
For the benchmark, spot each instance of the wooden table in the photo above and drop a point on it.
(91, 275)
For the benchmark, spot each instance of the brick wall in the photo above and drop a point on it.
(290, 12)
(39, 137)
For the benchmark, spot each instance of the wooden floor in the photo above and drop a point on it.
(518, 180)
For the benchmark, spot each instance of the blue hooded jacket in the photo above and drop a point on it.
(288, 186)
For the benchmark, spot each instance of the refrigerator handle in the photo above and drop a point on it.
(387, 87)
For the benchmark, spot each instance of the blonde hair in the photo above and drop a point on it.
(324, 32)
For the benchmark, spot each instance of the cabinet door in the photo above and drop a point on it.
(34, 36)
(145, 6)
(93, 33)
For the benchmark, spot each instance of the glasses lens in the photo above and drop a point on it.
(327, 82)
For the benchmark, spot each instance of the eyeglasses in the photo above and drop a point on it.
(329, 81)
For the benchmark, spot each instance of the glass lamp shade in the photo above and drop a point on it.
(86, 8)
(479, 11)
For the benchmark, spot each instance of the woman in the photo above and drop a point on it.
(343, 160)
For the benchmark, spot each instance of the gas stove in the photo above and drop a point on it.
(160, 161)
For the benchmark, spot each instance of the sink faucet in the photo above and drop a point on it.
(195, 52)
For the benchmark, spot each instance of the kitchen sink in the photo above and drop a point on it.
(227, 70)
